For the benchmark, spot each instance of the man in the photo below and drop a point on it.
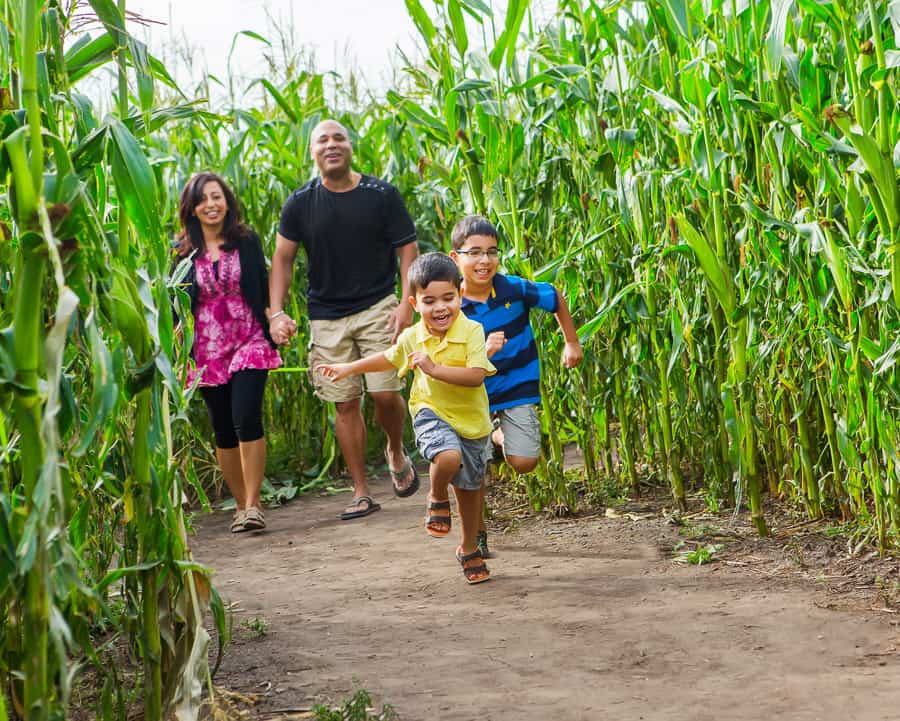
(354, 228)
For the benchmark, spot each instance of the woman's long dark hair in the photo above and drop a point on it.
(234, 230)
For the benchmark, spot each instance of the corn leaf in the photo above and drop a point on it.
(134, 179)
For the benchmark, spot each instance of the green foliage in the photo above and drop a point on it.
(355, 709)
(257, 625)
(697, 556)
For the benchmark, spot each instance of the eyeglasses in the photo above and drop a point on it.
(476, 253)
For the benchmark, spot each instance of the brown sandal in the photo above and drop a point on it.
(473, 574)
(444, 520)
(254, 520)
(237, 523)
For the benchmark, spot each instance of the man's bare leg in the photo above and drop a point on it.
(390, 413)
(351, 436)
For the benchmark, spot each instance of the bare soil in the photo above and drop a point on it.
(585, 618)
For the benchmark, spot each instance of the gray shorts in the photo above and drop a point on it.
(521, 430)
(434, 434)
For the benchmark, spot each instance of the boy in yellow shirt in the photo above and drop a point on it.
(448, 402)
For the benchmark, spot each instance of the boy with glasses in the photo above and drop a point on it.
(501, 304)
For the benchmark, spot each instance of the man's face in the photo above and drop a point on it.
(331, 149)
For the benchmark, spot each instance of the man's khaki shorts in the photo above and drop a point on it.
(347, 339)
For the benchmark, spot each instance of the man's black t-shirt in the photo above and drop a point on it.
(350, 240)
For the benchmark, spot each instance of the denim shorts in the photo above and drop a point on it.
(434, 435)
(521, 430)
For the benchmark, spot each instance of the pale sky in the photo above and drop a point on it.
(343, 34)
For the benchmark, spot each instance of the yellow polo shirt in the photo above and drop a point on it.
(465, 408)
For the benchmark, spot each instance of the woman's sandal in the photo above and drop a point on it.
(254, 520)
(443, 520)
(237, 523)
(473, 574)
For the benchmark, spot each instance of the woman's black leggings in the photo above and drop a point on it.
(235, 408)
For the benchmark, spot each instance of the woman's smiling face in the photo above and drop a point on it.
(213, 207)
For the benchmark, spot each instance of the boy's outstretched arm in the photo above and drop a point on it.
(370, 364)
(572, 353)
(471, 377)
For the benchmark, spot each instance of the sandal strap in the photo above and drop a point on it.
(439, 519)
(439, 505)
(399, 475)
(469, 556)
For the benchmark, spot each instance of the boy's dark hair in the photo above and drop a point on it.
(469, 226)
(431, 267)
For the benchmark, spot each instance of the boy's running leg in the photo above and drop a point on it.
(444, 466)
(481, 537)
(470, 511)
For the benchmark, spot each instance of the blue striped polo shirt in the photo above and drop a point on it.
(517, 381)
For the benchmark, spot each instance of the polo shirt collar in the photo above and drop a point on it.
(456, 333)
(499, 288)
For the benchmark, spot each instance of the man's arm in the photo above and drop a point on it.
(281, 325)
(402, 316)
(572, 353)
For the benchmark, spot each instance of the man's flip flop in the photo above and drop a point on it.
(370, 507)
(401, 474)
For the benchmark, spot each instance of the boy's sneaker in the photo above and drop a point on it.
(482, 544)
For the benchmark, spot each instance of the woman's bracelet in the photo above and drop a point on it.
(275, 315)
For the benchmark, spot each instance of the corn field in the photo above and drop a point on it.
(711, 184)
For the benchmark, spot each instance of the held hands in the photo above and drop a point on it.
(400, 319)
(282, 328)
(421, 360)
(494, 342)
(572, 355)
(334, 371)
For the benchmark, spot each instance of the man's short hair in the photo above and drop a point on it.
(326, 121)
(469, 226)
(431, 267)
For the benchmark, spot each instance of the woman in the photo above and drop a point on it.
(228, 287)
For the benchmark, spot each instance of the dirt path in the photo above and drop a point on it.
(582, 621)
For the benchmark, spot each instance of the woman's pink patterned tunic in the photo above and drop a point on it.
(227, 337)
